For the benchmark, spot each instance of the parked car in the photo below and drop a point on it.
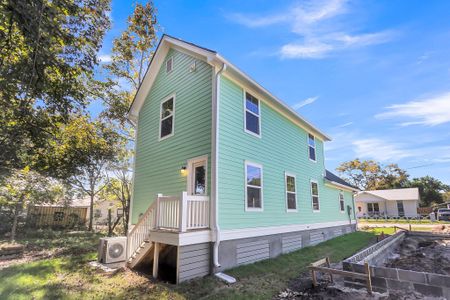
(443, 214)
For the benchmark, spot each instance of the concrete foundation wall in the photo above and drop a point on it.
(383, 279)
(238, 252)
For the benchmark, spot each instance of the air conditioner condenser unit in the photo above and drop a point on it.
(112, 249)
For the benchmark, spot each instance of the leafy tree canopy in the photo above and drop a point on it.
(47, 57)
(371, 175)
(431, 190)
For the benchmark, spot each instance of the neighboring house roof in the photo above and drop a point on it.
(215, 59)
(338, 180)
(395, 194)
(80, 202)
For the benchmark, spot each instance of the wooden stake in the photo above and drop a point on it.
(313, 276)
(329, 266)
(369, 280)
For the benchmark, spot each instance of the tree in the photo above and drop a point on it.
(23, 188)
(431, 190)
(131, 55)
(118, 187)
(47, 57)
(371, 175)
(81, 155)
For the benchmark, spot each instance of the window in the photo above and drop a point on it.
(400, 208)
(341, 201)
(291, 194)
(312, 147)
(169, 65)
(166, 118)
(58, 216)
(253, 186)
(252, 115)
(199, 178)
(373, 208)
(315, 196)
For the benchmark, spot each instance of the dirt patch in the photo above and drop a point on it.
(302, 289)
(422, 255)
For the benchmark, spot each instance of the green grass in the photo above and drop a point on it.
(70, 277)
(66, 242)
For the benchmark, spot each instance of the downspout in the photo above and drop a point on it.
(215, 152)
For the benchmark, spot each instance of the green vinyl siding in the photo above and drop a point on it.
(158, 163)
(281, 148)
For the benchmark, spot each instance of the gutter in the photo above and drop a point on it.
(216, 228)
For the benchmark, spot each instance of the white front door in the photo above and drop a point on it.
(197, 176)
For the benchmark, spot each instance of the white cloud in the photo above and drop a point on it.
(105, 58)
(431, 112)
(380, 150)
(344, 125)
(317, 27)
(305, 102)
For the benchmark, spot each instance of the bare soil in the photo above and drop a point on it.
(301, 288)
(422, 255)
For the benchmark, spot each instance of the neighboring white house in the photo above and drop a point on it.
(391, 203)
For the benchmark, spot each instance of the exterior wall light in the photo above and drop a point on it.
(183, 171)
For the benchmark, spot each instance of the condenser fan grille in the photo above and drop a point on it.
(115, 250)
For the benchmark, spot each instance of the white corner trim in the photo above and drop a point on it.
(233, 234)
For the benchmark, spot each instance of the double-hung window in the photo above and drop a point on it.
(252, 115)
(315, 196)
(311, 147)
(291, 193)
(253, 186)
(341, 201)
(166, 118)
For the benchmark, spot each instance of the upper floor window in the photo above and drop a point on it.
(252, 115)
(169, 65)
(312, 147)
(291, 193)
(166, 118)
(253, 186)
(341, 201)
(315, 196)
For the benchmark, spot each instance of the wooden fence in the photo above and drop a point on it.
(56, 216)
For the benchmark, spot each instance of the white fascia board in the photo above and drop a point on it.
(216, 60)
(339, 186)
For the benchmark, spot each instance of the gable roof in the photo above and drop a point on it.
(331, 177)
(395, 194)
(216, 60)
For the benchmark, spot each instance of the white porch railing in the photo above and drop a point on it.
(185, 213)
(170, 213)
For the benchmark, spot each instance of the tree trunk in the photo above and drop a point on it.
(91, 211)
(15, 220)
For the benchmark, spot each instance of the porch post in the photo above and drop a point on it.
(157, 214)
(183, 212)
(155, 260)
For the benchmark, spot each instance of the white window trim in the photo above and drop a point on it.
(315, 148)
(167, 61)
(286, 174)
(190, 174)
(245, 114)
(311, 193)
(250, 209)
(343, 200)
(173, 117)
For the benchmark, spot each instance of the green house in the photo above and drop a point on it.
(225, 173)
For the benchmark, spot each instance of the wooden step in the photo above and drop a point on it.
(140, 253)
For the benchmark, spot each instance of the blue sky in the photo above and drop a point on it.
(374, 75)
